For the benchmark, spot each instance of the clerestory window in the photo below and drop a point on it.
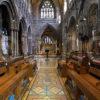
(47, 10)
(65, 6)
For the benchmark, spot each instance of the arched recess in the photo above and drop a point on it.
(20, 32)
(92, 28)
(8, 17)
(92, 18)
(22, 37)
(49, 40)
(29, 41)
(72, 38)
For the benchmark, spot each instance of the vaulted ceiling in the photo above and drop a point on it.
(58, 3)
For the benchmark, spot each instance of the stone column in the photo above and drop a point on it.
(98, 17)
(25, 46)
(17, 45)
(12, 40)
(15, 40)
(0, 19)
(64, 40)
(64, 31)
(31, 44)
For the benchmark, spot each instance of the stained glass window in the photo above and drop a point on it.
(47, 40)
(65, 6)
(47, 10)
(70, 1)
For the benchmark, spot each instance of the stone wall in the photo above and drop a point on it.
(79, 9)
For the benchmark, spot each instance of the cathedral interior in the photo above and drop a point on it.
(49, 49)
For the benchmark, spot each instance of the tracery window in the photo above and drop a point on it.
(65, 6)
(70, 1)
(59, 19)
(47, 10)
(47, 40)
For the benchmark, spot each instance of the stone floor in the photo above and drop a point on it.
(47, 84)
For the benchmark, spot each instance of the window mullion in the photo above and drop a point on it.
(47, 10)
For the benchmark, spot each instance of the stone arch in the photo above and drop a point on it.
(50, 32)
(29, 41)
(8, 23)
(72, 38)
(22, 35)
(24, 24)
(49, 27)
(92, 18)
(92, 27)
(11, 8)
(72, 21)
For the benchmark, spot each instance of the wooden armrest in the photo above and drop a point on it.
(98, 85)
(3, 69)
(95, 71)
(92, 80)
(5, 78)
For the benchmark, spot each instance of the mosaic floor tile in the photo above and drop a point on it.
(38, 90)
(47, 85)
(55, 90)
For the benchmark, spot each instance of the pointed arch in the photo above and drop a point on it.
(72, 22)
(24, 25)
(49, 30)
(21, 34)
(9, 19)
(92, 18)
(29, 41)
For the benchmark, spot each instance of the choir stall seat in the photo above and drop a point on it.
(83, 84)
(62, 67)
(33, 66)
(3, 68)
(80, 62)
(79, 79)
(17, 78)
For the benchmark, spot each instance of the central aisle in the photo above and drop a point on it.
(47, 85)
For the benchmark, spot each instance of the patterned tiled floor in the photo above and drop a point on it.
(47, 85)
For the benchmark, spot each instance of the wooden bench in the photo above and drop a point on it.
(5, 78)
(92, 80)
(10, 86)
(19, 70)
(3, 70)
(85, 84)
(94, 71)
(62, 68)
